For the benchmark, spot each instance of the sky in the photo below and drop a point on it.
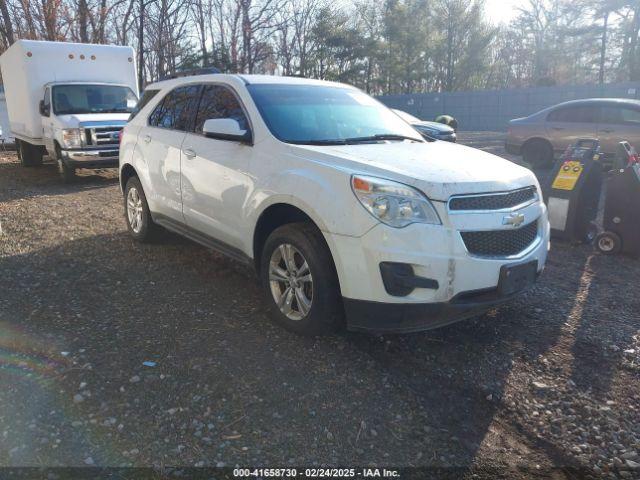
(502, 11)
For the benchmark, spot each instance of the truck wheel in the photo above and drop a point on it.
(137, 214)
(608, 243)
(299, 280)
(67, 173)
(30, 155)
(538, 154)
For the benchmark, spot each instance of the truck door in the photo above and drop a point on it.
(567, 124)
(617, 123)
(47, 122)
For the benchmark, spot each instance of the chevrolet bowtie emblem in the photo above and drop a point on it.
(513, 219)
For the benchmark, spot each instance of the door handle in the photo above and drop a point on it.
(606, 131)
(147, 138)
(189, 153)
(557, 128)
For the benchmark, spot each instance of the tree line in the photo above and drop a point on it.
(381, 46)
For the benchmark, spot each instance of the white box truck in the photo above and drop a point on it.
(69, 101)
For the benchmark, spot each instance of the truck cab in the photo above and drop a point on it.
(81, 123)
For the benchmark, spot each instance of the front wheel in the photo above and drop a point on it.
(67, 173)
(299, 280)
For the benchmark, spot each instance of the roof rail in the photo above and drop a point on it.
(191, 72)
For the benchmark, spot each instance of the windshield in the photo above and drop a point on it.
(407, 117)
(71, 99)
(311, 114)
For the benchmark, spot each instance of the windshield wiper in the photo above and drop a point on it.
(318, 142)
(380, 137)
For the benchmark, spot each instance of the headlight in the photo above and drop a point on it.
(72, 137)
(393, 203)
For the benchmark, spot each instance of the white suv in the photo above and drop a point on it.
(345, 211)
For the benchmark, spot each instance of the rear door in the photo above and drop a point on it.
(617, 123)
(567, 124)
(215, 183)
(160, 143)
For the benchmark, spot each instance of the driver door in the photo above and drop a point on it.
(47, 123)
(214, 178)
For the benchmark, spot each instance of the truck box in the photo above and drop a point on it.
(34, 64)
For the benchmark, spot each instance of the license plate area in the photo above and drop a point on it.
(515, 278)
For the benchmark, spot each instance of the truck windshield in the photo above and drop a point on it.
(73, 99)
(320, 115)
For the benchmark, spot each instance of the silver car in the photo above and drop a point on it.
(540, 136)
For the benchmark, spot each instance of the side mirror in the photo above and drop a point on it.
(44, 109)
(226, 129)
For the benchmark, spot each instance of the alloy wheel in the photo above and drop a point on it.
(134, 210)
(291, 282)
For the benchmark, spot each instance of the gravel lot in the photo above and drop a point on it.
(544, 386)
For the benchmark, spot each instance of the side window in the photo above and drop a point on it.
(47, 98)
(146, 97)
(630, 115)
(219, 102)
(579, 114)
(177, 110)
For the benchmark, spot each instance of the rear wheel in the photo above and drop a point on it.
(299, 280)
(136, 211)
(30, 155)
(538, 154)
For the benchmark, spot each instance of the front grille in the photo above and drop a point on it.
(103, 135)
(500, 243)
(497, 201)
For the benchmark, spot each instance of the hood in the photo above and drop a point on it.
(93, 119)
(439, 169)
(440, 127)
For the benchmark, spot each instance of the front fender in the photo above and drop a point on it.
(326, 197)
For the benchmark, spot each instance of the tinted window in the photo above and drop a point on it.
(620, 115)
(581, 114)
(47, 97)
(177, 109)
(219, 102)
(147, 96)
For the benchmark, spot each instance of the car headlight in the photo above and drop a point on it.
(393, 203)
(72, 137)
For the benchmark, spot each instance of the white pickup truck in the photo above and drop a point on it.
(69, 101)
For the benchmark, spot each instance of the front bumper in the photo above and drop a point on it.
(463, 285)
(378, 317)
(98, 158)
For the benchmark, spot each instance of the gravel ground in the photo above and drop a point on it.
(545, 386)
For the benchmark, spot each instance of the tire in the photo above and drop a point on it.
(143, 229)
(608, 243)
(30, 155)
(538, 154)
(67, 173)
(314, 302)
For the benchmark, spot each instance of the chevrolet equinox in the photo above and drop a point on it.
(347, 214)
